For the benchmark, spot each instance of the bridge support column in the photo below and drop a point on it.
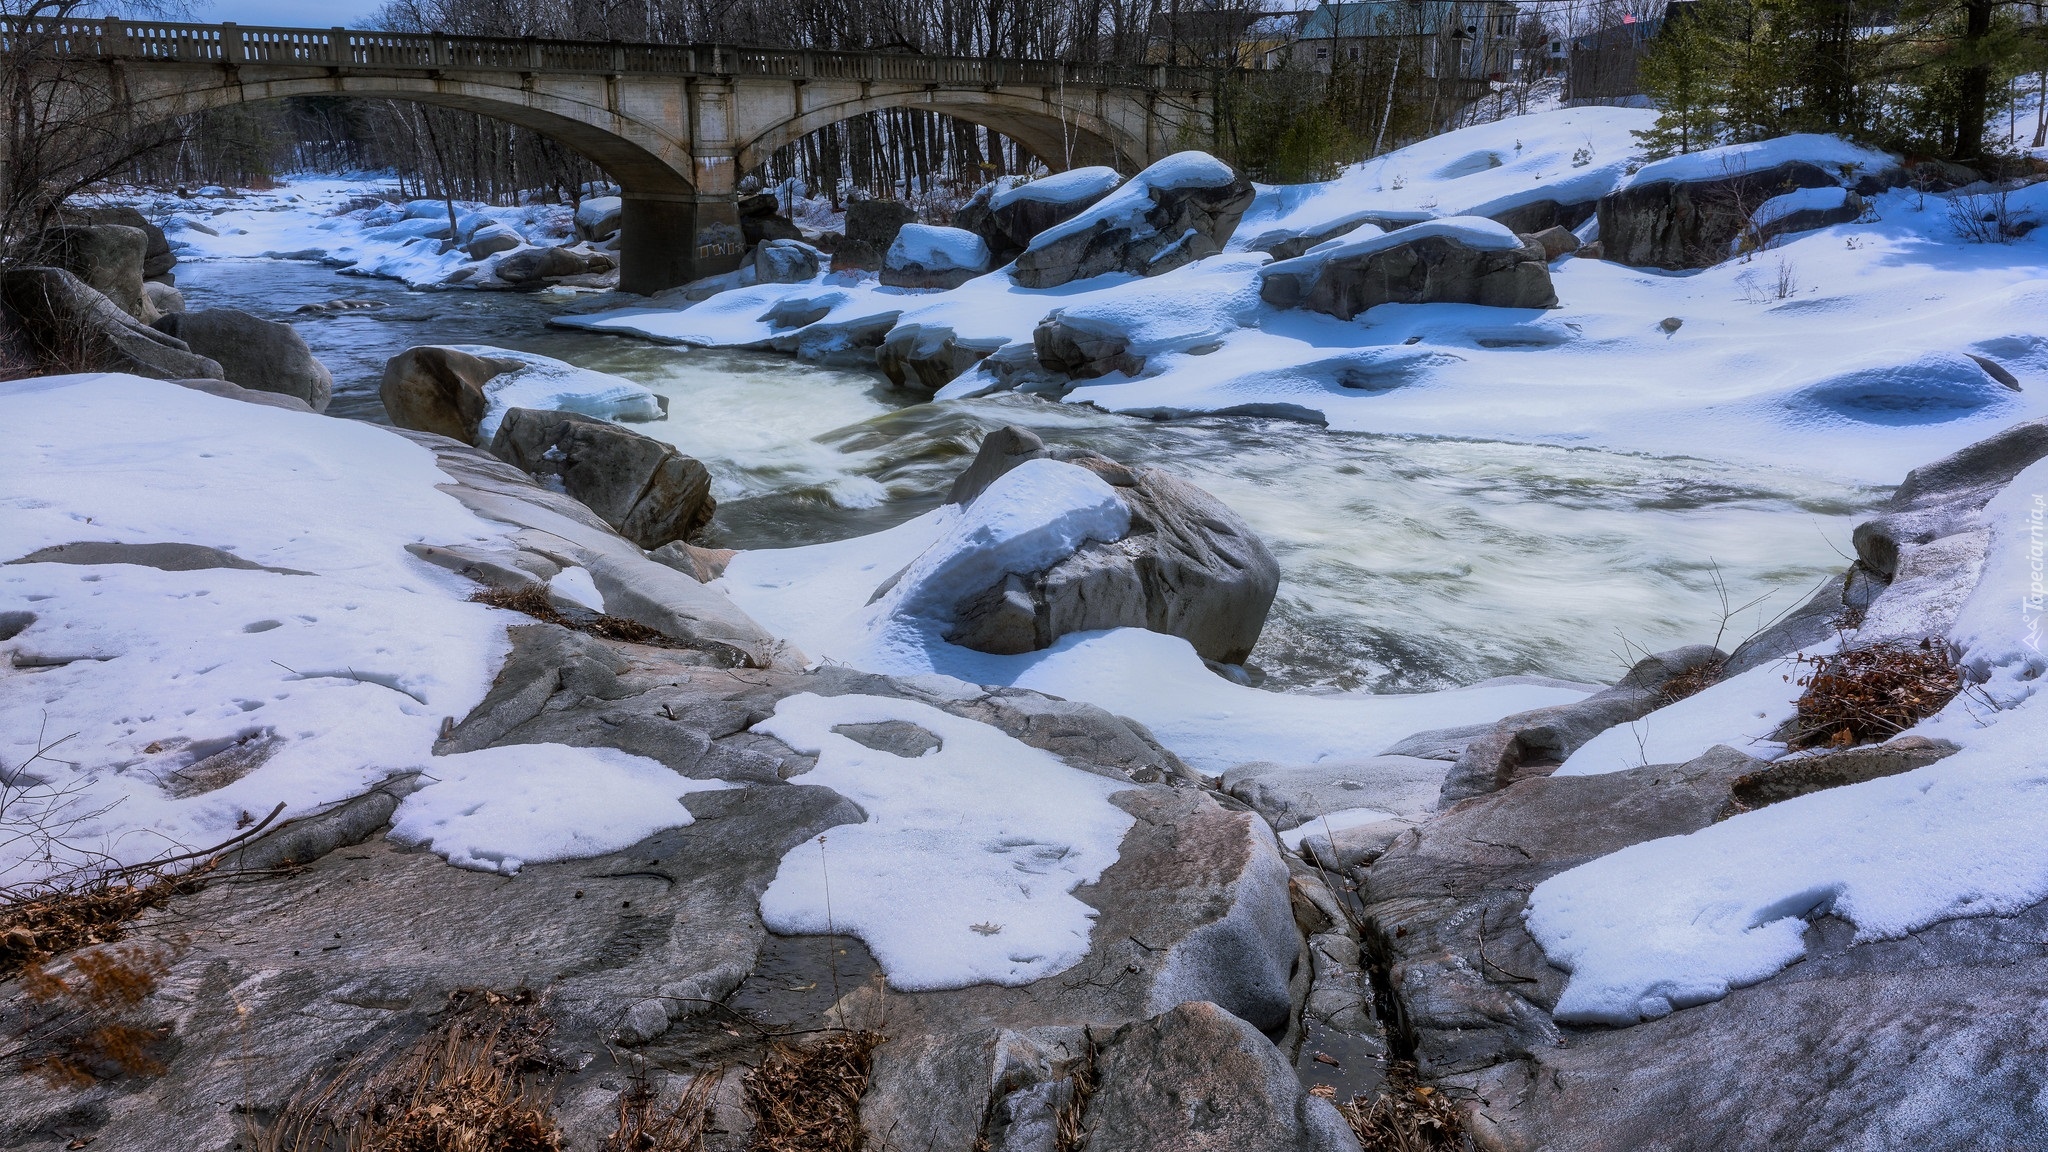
(666, 241)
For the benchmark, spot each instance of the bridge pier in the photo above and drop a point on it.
(666, 241)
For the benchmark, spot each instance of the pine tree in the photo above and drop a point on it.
(1687, 72)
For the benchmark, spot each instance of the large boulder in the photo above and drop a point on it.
(1198, 1079)
(784, 262)
(924, 358)
(760, 221)
(1009, 216)
(646, 490)
(107, 257)
(928, 256)
(1461, 260)
(66, 326)
(1187, 567)
(1080, 351)
(490, 240)
(871, 227)
(1691, 218)
(599, 217)
(440, 390)
(1179, 210)
(255, 353)
(534, 266)
(157, 257)
(1800, 210)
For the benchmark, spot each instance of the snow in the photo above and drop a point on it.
(1847, 160)
(499, 809)
(1570, 155)
(183, 705)
(1060, 187)
(554, 385)
(1798, 200)
(937, 249)
(1681, 920)
(965, 868)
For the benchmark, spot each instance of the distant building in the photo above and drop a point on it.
(1604, 63)
(1453, 39)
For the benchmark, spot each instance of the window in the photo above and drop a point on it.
(1464, 57)
(1323, 53)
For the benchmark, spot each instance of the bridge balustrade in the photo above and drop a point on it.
(232, 44)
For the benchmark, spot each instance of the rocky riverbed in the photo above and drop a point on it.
(579, 765)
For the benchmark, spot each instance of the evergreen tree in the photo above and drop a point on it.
(1687, 72)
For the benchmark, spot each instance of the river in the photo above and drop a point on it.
(1407, 563)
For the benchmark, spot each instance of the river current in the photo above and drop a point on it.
(1407, 563)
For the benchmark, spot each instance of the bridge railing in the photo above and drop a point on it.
(235, 44)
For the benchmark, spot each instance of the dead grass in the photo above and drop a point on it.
(1068, 1134)
(807, 1098)
(1405, 1116)
(1871, 693)
(1692, 681)
(479, 1081)
(532, 599)
(646, 1126)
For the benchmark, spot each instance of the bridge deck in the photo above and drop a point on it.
(234, 44)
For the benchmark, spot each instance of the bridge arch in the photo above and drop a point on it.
(661, 245)
(1068, 137)
(639, 156)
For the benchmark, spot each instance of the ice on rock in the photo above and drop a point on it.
(964, 871)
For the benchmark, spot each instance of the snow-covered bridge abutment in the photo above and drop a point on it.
(674, 125)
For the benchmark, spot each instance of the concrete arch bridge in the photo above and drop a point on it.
(674, 125)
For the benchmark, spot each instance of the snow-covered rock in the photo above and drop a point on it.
(1009, 214)
(1177, 211)
(927, 357)
(1686, 211)
(928, 256)
(1462, 260)
(784, 262)
(599, 217)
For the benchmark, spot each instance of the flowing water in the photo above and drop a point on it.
(1408, 563)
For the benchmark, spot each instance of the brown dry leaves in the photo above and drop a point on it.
(1405, 1116)
(532, 599)
(1872, 693)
